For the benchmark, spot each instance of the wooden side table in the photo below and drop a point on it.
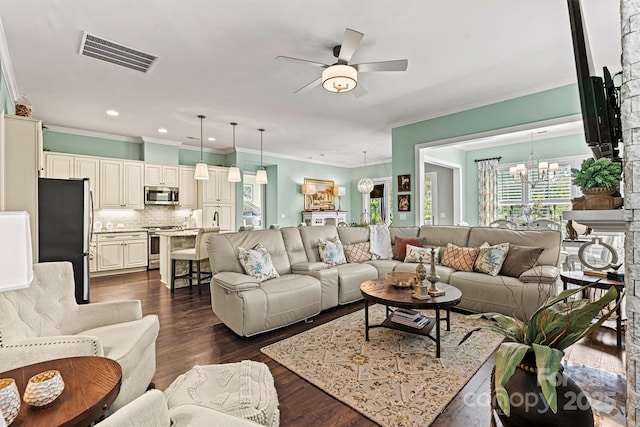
(581, 279)
(91, 384)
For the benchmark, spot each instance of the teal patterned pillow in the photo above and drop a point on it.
(490, 258)
(331, 251)
(257, 262)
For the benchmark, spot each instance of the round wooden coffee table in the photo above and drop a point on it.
(91, 384)
(380, 291)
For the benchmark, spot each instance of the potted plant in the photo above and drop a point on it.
(534, 350)
(599, 180)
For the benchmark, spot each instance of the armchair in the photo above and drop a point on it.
(44, 322)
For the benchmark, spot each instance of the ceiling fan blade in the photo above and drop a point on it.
(359, 91)
(304, 61)
(306, 88)
(397, 65)
(350, 43)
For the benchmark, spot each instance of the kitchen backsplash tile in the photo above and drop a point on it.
(150, 216)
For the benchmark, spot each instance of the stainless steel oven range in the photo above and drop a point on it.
(154, 244)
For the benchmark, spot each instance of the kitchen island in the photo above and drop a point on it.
(171, 240)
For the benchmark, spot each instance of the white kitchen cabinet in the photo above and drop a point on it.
(226, 217)
(61, 166)
(161, 175)
(217, 189)
(21, 166)
(117, 251)
(66, 166)
(188, 195)
(121, 184)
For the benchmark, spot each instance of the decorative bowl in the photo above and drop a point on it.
(9, 399)
(401, 279)
(43, 388)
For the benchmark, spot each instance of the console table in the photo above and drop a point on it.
(91, 384)
(324, 217)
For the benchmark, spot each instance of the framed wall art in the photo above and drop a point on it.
(247, 193)
(321, 196)
(404, 182)
(404, 202)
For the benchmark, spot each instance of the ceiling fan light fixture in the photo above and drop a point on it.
(339, 78)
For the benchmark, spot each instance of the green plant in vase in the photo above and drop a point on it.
(549, 331)
(601, 173)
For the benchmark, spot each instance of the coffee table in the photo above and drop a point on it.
(380, 291)
(91, 384)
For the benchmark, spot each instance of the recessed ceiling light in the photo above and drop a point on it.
(211, 138)
(113, 113)
(162, 130)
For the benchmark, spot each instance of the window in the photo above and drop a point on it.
(519, 202)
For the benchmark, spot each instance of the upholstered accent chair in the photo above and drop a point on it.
(44, 322)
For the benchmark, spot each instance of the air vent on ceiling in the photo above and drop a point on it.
(115, 53)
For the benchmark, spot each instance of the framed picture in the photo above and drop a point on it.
(404, 202)
(247, 193)
(404, 182)
(318, 195)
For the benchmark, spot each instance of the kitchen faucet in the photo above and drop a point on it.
(216, 221)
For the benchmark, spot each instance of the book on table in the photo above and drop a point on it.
(417, 323)
(406, 313)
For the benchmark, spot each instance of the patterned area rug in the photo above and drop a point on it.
(395, 378)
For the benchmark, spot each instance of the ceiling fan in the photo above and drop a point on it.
(342, 76)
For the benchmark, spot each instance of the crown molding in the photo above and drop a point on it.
(93, 134)
(305, 159)
(7, 67)
(206, 150)
(483, 103)
(161, 141)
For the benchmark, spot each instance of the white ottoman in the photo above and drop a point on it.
(243, 389)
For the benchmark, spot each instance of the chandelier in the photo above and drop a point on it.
(534, 170)
(365, 185)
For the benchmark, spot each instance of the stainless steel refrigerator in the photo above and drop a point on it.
(65, 216)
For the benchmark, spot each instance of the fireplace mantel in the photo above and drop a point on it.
(614, 220)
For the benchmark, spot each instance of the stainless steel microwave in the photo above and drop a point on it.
(161, 195)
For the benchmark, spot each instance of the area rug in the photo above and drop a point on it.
(393, 379)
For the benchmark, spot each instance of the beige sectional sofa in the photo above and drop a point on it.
(307, 285)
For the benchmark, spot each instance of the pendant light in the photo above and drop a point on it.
(365, 185)
(234, 170)
(202, 170)
(261, 174)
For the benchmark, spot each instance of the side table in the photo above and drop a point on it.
(581, 279)
(91, 384)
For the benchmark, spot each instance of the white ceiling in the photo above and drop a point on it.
(217, 58)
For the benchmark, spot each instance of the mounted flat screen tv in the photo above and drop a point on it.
(599, 96)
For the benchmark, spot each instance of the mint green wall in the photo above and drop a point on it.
(191, 157)
(559, 102)
(161, 154)
(284, 198)
(91, 146)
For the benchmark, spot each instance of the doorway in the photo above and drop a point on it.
(430, 198)
(252, 201)
(378, 203)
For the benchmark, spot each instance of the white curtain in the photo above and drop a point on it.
(487, 191)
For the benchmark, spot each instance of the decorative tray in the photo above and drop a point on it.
(401, 279)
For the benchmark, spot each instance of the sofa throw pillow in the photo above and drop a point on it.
(459, 258)
(331, 251)
(520, 259)
(357, 252)
(414, 254)
(490, 258)
(400, 248)
(257, 262)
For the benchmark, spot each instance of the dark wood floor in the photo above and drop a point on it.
(191, 334)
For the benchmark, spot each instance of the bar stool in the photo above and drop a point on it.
(197, 254)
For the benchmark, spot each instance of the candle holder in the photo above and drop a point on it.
(433, 277)
(420, 288)
(9, 400)
(43, 388)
